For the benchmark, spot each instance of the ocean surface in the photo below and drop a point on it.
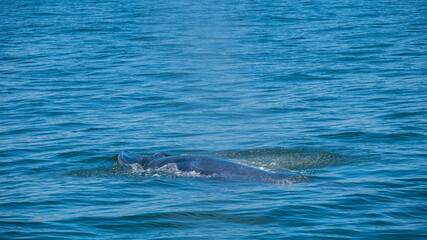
(334, 91)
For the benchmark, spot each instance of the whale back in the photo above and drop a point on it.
(203, 164)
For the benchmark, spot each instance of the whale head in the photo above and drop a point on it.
(126, 158)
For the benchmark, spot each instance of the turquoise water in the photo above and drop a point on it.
(335, 91)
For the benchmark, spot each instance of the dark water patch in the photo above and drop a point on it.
(402, 115)
(377, 137)
(321, 99)
(29, 205)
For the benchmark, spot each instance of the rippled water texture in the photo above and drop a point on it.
(332, 90)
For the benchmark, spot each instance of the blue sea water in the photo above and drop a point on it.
(335, 91)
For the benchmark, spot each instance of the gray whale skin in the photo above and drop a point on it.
(202, 164)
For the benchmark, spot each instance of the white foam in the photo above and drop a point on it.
(169, 170)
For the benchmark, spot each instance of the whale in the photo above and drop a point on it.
(205, 165)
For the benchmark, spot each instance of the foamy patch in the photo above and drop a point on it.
(270, 166)
(280, 159)
(171, 169)
(168, 170)
(291, 180)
